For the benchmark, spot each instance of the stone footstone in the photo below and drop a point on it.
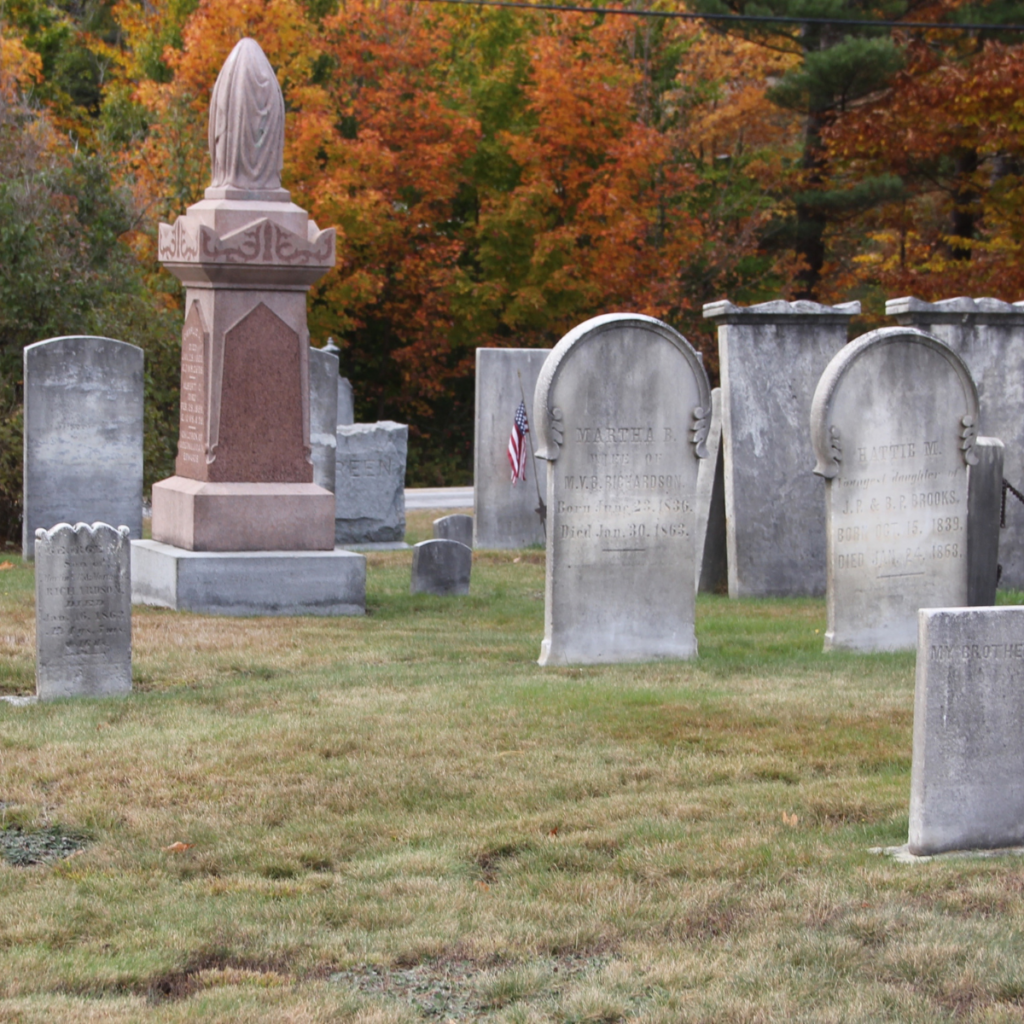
(83, 435)
(323, 415)
(893, 424)
(441, 567)
(621, 409)
(989, 336)
(370, 483)
(505, 514)
(455, 527)
(771, 357)
(249, 582)
(967, 772)
(83, 611)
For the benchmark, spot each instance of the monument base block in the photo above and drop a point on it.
(233, 517)
(248, 582)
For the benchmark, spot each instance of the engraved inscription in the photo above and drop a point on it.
(191, 461)
(623, 505)
(897, 522)
(976, 652)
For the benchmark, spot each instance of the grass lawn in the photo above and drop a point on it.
(403, 818)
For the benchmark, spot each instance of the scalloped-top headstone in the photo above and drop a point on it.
(83, 611)
(621, 410)
(894, 425)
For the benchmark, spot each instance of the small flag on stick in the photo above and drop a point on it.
(517, 444)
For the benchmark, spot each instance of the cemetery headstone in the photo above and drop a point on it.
(989, 336)
(712, 567)
(83, 434)
(441, 567)
(455, 527)
(771, 357)
(984, 505)
(242, 518)
(505, 513)
(893, 425)
(967, 772)
(370, 483)
(83, 611)
(621, 409)
(323, 415)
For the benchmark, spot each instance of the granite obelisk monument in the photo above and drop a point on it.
(243, 481)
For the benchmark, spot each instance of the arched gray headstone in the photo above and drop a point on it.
(83, 434)
(622, 409)
(441, 567)
(455, 527)
(894, 425)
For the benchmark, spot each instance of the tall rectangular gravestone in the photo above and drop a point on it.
(505, 514)
(893, 425)
(83, 434)
(370, 484)
(967, 773)
(989, 336)
(621, 409)
(83, 611)
(771, 356)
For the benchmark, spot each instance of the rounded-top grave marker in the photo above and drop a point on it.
(621, 410)
(893, 424)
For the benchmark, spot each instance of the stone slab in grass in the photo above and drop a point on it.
(83, 611)
(441, 567)
(967, 774)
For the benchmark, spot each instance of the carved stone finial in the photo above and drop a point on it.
(247, 122)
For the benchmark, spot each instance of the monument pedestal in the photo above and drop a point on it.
(201, 516)
(248, 582)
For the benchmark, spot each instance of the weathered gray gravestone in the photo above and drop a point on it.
(505, 514)
(621, 410)
(712, 566)
(441, 567)
(370, 483)
(323, 415)
(967, 773)
(893, 425)
(455, 527)
(771, 356)
(989, 336)
(83, 611)
(83, 434)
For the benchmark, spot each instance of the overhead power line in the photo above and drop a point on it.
(772, 18)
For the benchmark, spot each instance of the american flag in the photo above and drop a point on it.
(517, 444)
